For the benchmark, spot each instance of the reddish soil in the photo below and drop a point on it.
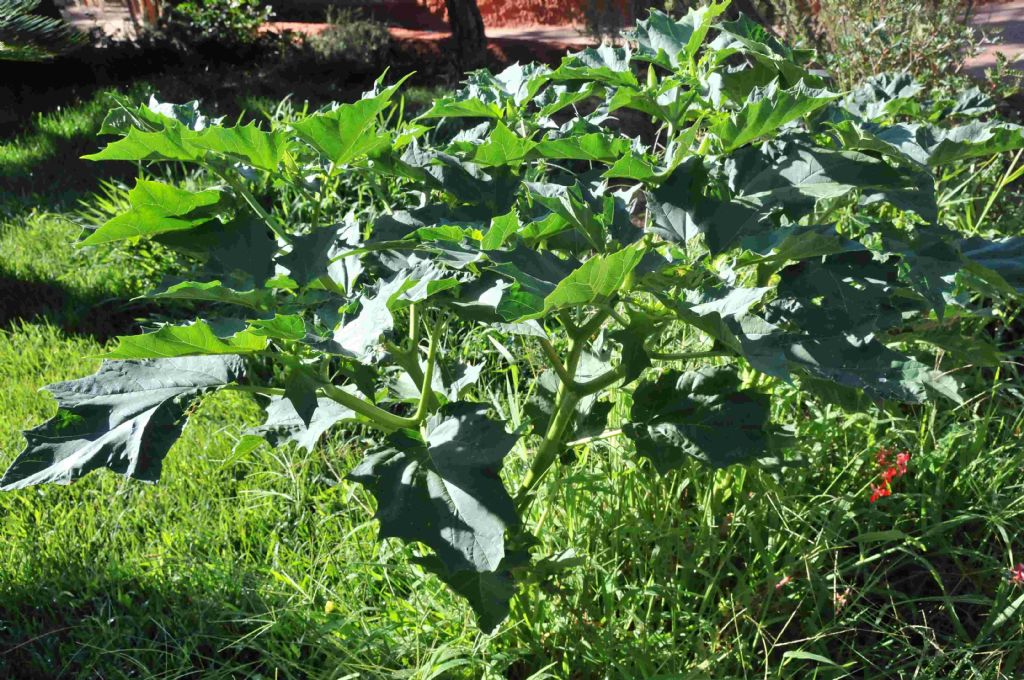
(506, 45)
(528, 12)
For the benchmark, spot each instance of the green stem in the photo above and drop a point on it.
(383, 419)
(569, 394)
(685, 356)
(427, 390)
(254, 389)
(328, 283)
(408, 360)
(571, 328)
(547, 453)
(268, 219)
(599, 383)
(619, 318)
(607, 434)
(554, 436)
(414, 334)
(593, 325)
(555, 360)
(375, 247)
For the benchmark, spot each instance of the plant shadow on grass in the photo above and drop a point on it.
(81, 620)
(99, 318)
(43, 166)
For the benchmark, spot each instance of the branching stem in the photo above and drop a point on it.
(385, 419)
(268, 219)
(599, 383)
(379, 417)
(555, 360)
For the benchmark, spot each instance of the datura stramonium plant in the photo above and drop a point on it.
(677, 225)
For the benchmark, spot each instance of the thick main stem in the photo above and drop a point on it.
(569, 394)
(551, 446)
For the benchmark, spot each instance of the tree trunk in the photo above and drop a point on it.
(468, 33)
(48, 8)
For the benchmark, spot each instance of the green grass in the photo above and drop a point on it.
(267, 564)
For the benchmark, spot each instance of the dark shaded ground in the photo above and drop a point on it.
(100, 318)
(220, 75)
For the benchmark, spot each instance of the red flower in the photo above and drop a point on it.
(890, 472)
(902, 458)
(1017, 574)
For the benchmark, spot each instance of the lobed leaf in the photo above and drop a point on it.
(158, 208)
(443, 489)
(197, 339)
(703, 414)
(126, 417)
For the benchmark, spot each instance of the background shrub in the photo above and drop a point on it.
(226, 21)
(352, 38)
(858, 38)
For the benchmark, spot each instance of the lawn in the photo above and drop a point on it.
(266, 563)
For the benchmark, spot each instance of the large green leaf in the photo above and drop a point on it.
(670, 101)
(349, 131)
(970, 141)
(259, 299)
(704, 414)
(126, 417)
(174, 143)
(179, 341)
(455, 107)
(605, 64)
(671, 44)
(768, 109)
(444, 489)
(284, 425)
(790, 180)
(882, 95)
(240, 251)
(310, 255)
(844, 294)
(595, 281)
(554, 98)
(848, 362)
(930, 145)
(881, 372)
(503, 148)
(534, 274)
(770, 251)
(154, 115)
(158, 208)
(258, 148)
(501, 230)
(769, 54)
(359, 337)
(673, 205)
(1000, 262)
(595, 147)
